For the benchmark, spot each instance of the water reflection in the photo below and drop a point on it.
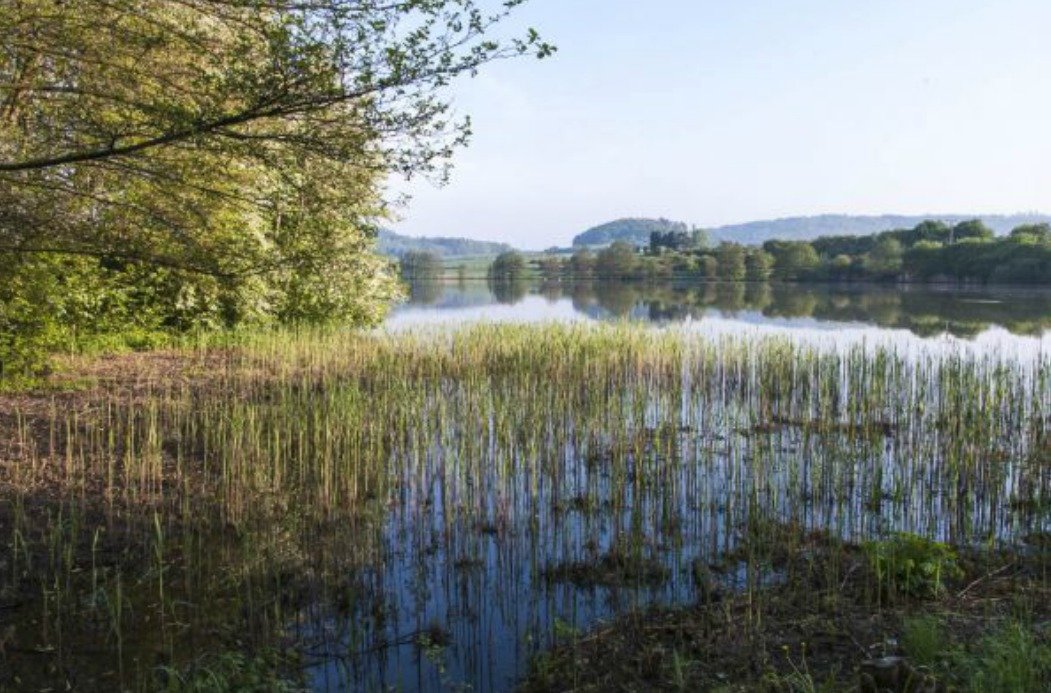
(923, 311)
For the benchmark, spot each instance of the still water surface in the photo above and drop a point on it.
(974, 319)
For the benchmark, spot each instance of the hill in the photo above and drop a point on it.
(396, 245)
(809, 228)
(637, 231)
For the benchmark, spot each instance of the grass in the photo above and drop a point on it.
(336, 495)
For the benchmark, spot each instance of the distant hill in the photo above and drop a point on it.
(808, 228)
(635, 231)
(795, 228)
(396, 245)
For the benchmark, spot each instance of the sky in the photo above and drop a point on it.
(715, 112)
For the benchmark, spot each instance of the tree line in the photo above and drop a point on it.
(966, 252)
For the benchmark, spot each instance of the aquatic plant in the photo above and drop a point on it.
(338, 494)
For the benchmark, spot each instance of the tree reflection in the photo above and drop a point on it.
(923, 311)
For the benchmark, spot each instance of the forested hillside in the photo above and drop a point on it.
(809, 228)
(635, 231)
(396, 245)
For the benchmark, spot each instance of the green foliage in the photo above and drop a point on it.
(912, 565)
(509, 266)
(420, 265)
(731, 257)
(51, 302)
(931, 251)
(185, 165)
(618, 261)
(708, 267)
(925, 640)
(1011, 659)
(759, 265)
(793, 260)
(885, 260)
(29, 325)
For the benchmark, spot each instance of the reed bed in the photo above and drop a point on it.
(433, 508)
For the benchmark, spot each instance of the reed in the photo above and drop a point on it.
(316, 501)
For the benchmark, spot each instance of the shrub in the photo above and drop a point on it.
(912, 565)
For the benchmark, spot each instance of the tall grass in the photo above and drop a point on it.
(345, 497)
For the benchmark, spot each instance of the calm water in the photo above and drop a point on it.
(498, 488)
(1016, 319)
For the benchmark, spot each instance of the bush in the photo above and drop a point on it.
(1011, 659)
(924, 640)
(912, 565)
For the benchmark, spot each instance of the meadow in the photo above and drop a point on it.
(549, 506)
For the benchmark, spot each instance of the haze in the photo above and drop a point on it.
(716, 112)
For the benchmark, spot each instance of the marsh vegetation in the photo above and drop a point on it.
(437, 508)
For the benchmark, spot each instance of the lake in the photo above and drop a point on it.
(432, 505)
(493, 543)
(982, 319)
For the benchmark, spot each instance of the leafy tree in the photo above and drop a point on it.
(582, 264)
(700, 239)
(793, 260)
(508, 266)
(731, 258)
(885, 260)
(218, 162)
(1032, 233)
(420, 265)
(618, 261)
(676, 240)
(759, 265)
(708, 267)
(974, 228)
(840, 266)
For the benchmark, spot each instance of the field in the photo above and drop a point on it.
(563, 507)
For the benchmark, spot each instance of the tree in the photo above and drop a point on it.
(509, 266)
(582, 264)
(700, 239)
(617, 261)
(550, 267)
(840, 266)
(228, 155)
(731, 258)
(674, 240)
(708, 267)
(417, 265)
(759, 265)
(795, 260)
(974, 228)
(885, 260)
(1032, 233)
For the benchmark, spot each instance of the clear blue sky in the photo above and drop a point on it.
(714, 112)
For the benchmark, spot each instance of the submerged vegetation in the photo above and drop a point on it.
(436, 508)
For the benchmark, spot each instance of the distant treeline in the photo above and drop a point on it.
(396, 245)
(933, 251)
